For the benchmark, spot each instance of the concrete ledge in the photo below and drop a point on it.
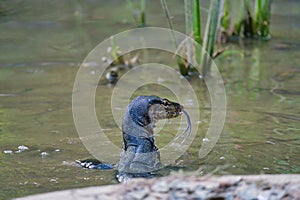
(188, 187)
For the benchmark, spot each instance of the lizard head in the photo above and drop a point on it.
(143, 110)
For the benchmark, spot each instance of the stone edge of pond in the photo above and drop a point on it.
(189, 187)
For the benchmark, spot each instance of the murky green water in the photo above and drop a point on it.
(42, 44)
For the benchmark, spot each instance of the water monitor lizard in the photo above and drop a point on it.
(140, 156)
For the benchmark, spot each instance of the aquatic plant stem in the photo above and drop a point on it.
(188, 32)
(180, 61)
(197, 21)
(248, 21)
(167, 13)
(197, 29)
(262, 13)
(142, 14)
(211, 31)
(237, 27)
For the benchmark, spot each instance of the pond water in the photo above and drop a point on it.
(42, 44)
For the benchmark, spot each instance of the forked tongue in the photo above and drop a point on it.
(186, 133)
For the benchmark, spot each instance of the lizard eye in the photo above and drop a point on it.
(165, 101)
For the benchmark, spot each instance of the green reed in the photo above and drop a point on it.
(211, 31)
(188, 49)
(252, 21)
(263, 13)
(197, 21)
(142, 13)
(193, 29)
(182, 64)
(226, 19)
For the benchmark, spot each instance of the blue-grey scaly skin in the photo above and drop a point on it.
(140, 156)
(139, 153)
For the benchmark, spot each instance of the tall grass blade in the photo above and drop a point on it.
(248, 23)
(180, 61)
(197, 29)
(262, 13)
(167, 13)
(188, 31)
(197, 21)
(143, 15)
(211, 31)
(237, 13)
